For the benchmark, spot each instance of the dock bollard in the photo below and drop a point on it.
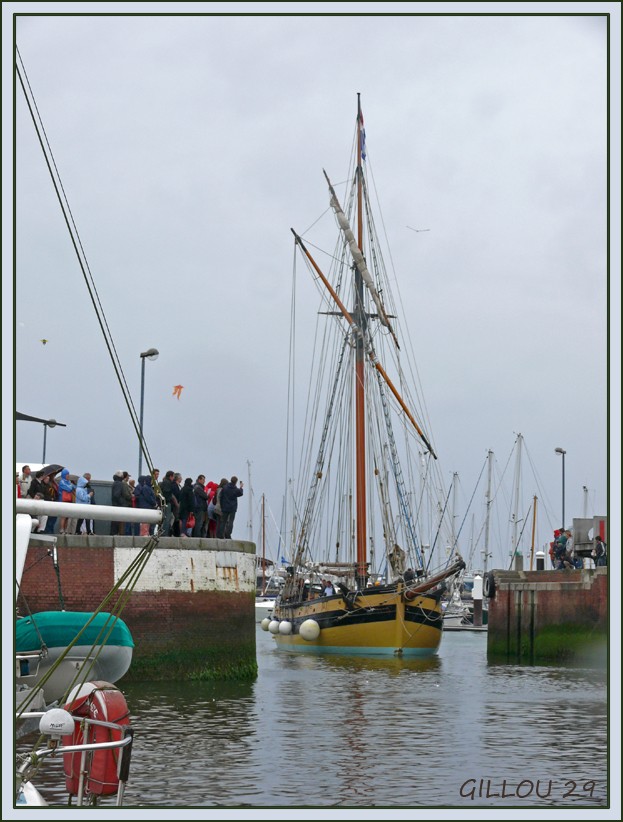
(540, 561)
(477, 600)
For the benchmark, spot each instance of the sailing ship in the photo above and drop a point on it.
(340, 596)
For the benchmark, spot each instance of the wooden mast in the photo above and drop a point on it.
(533, 533)
(360, 421)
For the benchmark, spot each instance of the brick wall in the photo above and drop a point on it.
(554, 615)
(203, 624)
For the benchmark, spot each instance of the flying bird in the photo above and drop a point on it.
(177, 391)
(43, 341)
(418, 230)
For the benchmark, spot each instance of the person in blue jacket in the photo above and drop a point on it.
(145, 498)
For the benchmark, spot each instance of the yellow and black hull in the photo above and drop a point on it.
(377, 621)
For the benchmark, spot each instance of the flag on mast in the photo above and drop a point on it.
(362, 133)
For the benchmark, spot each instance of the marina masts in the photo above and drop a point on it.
(488, 503)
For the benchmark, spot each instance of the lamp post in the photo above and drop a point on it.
(563, 452)
(46, 424)
(150, 354)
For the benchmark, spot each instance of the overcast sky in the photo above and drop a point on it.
(189, 145)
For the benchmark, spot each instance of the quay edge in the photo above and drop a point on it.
(549, 616)
(191, 612)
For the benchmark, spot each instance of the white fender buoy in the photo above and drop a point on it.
(309, 630)
(265, 623)
(285, 627)
(273, 626)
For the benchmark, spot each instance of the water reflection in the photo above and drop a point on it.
(368, 732)
(393, 666)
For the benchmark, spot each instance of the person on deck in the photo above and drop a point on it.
(166, 486)
(145, 498)
(201, 507)
(229, 506)
(187, 504)
(50, 492)
(211, 490)
(599, 553)
(176, 490)
(37, 490)
(122, 498)
(83, 497)
(66, 493)
(25, 480)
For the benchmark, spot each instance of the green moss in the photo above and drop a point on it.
(569, 642)
(219, 662)
(557, 643)
(240, 671)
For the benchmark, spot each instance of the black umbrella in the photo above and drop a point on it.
(49, 470)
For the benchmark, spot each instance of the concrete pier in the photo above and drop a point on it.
(191, 611)
(549, 616)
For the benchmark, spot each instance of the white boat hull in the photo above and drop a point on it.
(264, 607)
(29, 796)
(111, 664)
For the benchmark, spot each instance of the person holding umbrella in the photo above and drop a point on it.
(50, 491)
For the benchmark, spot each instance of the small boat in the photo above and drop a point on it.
(458, 611)
(269, 585)
(354, 493)
(264, 607)
(52, 648)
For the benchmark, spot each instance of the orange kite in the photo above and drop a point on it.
(177, 391)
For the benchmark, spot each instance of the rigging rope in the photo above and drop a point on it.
(79, 249)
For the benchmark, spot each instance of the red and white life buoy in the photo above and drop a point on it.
(95, 700)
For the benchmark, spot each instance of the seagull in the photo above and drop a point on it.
(418, 230)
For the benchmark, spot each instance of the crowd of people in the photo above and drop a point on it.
(564, 555)
(46, 486)
(190, 508)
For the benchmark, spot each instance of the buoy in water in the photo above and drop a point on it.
(309, 630)
(273, 626)
(265, 623)
(285, 627)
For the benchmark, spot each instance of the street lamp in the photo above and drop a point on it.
(563, 452)
(46, 424)
(150, 354)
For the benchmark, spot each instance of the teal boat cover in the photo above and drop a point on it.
(57, 629)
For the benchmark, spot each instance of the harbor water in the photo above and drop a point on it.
(453, 731)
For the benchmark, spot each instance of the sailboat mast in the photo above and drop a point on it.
(488, 503)
(533, 533)
(263, 548)
(360, 427)
(516, 496)
(250, 498)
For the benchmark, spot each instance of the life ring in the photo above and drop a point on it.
(96, 700)
(488, 587)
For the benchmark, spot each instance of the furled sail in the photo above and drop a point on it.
(359, 259)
